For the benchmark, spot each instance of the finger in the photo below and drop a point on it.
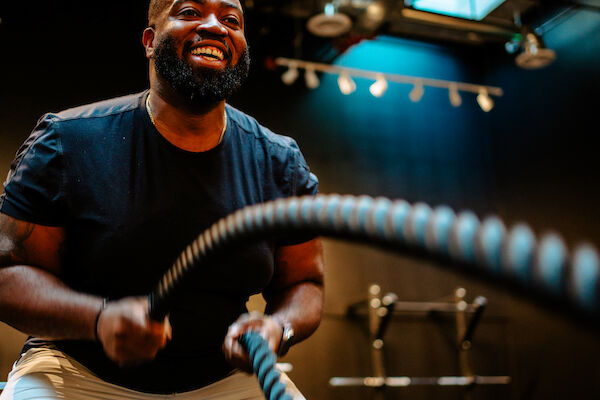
(233, 349)
(168, 328)
(240, 353)
(271, 332)
(234, 330)
(248, 326)
(228, 347)
(139, 314)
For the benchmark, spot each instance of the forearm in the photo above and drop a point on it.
(301, 305)
(39, 304)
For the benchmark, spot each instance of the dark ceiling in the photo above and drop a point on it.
(274, 27)
(283, 24)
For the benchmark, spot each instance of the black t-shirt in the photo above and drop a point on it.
(130, 202)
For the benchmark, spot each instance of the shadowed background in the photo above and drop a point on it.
(531, 158)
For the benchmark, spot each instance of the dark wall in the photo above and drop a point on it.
(547, 166)
(531, 159)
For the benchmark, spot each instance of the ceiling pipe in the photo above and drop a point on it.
(442, 20)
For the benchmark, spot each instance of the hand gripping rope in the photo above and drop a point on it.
(263, 363)
(541, 265)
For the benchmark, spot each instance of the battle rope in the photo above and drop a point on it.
(543, 264)
(263, 363)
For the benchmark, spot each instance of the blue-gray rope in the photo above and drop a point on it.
(543, 264)
(263, 362)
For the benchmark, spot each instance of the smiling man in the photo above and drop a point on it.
(102, 198)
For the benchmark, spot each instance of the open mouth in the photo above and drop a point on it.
(209, 52)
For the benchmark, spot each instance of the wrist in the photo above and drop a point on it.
(287, 336)
(102, 308)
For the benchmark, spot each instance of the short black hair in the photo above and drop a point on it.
(155, 8)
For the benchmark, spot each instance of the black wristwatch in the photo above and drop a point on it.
(287, 337)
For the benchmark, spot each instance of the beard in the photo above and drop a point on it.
(200, 85)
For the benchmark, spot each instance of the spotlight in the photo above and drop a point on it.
(416, 93)
(329, 23)
(454, 96)
(290, 76)
(346, 83)
(534, 55)
(378, 88)
(311, 78)
(484, 100)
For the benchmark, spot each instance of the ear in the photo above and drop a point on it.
(148, 41)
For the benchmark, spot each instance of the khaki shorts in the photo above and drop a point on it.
(51, 374)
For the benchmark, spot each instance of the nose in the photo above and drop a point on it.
(212, 24)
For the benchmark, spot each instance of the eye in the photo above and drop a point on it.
(189, 12)
(231, 20)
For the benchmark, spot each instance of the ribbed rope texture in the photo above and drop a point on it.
(541, 264)
(515, 253)
(263, 363)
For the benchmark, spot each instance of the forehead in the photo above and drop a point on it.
(221, 3)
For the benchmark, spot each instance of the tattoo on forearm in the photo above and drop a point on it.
(13, 235)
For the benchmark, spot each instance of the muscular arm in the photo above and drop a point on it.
(37, 303)
(32, 297)
(34, 300)
(295, 295)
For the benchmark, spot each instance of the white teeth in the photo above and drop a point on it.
(208, 50)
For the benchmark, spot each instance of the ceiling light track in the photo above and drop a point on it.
(347, 85)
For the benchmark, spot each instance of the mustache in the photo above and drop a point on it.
(187, 47)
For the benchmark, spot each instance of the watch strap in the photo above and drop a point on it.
(287, 336)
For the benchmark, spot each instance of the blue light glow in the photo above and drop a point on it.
(411, 149)
(468, 9)
(329, 9)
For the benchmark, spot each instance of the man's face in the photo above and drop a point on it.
(200, 48)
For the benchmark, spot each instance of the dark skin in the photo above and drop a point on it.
(295, 295)
(33, 298)
(190, 22)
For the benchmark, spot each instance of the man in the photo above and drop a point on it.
(102, 198)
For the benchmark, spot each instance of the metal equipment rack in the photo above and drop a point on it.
(380, 311)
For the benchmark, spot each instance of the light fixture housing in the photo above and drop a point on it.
(311, 79)
(534, 55)
(290, 76)
(453, 95)
(417, 92)
(484, 100)
(378, 88)
(346, 83)
(329, 23)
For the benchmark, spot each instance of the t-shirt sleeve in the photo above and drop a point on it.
(303, 183)
(33, 190)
